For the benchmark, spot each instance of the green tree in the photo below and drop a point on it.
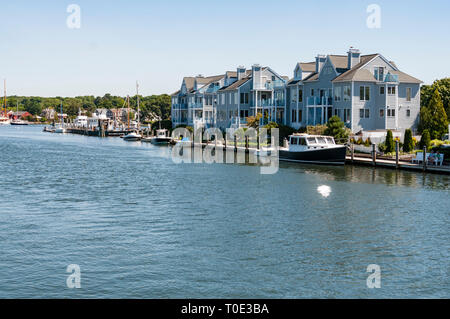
(389, 143)
(433, 117)
(425, 141)
(253, 121)
(336, 128)
(443, 86)
(408, 143)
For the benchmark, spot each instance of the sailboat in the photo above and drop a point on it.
(134, 136)
(4, 119)
(18, 121)
(61, 129)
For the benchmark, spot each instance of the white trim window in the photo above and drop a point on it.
(347, 92)
(379, 73)
(391, 90)
(382, 112)
(391, 112)
(364, 113)
(337, 94)
(408, 113)
(382, 90)
(364, 93)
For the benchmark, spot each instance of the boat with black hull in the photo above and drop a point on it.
(313, 149)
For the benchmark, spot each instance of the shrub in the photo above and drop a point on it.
(336, 128)
(390, 146)
(425, 141)
(408, 144)
(368, 142)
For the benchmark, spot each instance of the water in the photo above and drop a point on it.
(140, 226)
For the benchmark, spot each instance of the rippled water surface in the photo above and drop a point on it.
(141, 226)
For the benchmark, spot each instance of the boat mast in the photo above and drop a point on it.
(138, 110)
(4, 100)
(62, 117)
(128, 111)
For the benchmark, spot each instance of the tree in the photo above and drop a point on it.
(408, 143)
(389, 143)
(425, 141)
(253, 121)
(443, 86)
(433, 117)
(336, 128)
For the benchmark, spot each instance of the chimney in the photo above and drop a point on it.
(256, 75)
(240, 72)
(354, 57)
(320, 61)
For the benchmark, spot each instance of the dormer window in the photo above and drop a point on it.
(379, 73)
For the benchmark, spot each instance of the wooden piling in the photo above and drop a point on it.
(374, 154)
(397, 151)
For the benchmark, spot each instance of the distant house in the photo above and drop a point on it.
(104, 113)
(48, 113)
(19, 115)
(121, 114)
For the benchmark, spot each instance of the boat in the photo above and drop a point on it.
(313, 149)
(19, 122)
(162, 138)
(61, 129)
(4, 119)
(310, 149)
(133, 136)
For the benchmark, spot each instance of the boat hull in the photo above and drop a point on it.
(160, 141)
(15, 123)
(326, 156)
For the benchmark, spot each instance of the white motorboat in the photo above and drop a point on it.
(162, 138)
(4, 120)
(133, 136)
(19, 122)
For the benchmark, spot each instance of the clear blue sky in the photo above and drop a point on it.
(159, 42)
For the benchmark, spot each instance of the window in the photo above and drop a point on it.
(379, 73)
(302, 141)
(391, 90)
(408, 94)
(293, 95)
(381, 112)
(364, 113)
(364, 93)
(408, 113)
(347, 92)
(273, 77)
(382, 90)
(337, 94)
(294, 141)
(299, 115)
(312, 92)
(300, 95)
(391, 112)
(294, 116)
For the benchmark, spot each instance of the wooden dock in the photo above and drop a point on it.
(392, 164)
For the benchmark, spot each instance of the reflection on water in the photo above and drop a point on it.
(141, 226)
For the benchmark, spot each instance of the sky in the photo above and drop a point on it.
(159, 42)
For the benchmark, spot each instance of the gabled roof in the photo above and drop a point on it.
(236, 84)
(312, 77)
(307, 67)
(363, 75)
(406, 78)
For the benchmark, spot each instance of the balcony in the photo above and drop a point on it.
(314, 100)
(391, 78)
(275, 85)
(196, 105)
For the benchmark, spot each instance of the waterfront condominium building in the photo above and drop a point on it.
(368, 92)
